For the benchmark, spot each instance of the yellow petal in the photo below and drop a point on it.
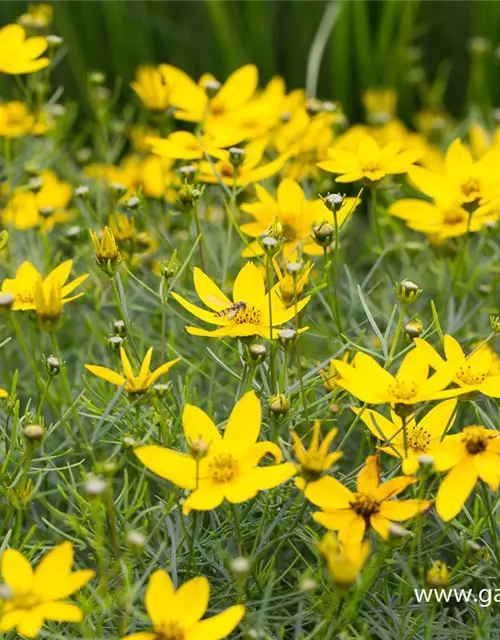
(238, 88)
(162, 370)
(243, 427)
(369, 476)
(106, 374)
(198, 425)
(30, 624)
(127, 368)
(60, 612)
(329, 493)
(146, 363)
(191, 601)
(380, 427)
(204, 499)
(55, 563)
(403, 509)
(174, 466)
(249, 286)
(159, 598)
(219, 626)
(273, 475)
(208, 292)
(455, 489)
(16, 571)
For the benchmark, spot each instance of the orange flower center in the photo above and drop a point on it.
(471, 189)
(222, 468)
(24, 601)
(475, 440)
(418, 439)
(26, 295)
(467, 375)
(403, 390)
(312, 466)
(365, 505)
(248, 315)
(170, 631)
(370, 165)
(454, 216)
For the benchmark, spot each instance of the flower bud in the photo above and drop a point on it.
(270, 245)
(257, 352)
(130, 442)
(334, 201)
(95, 485)
(119, 328)
(413, 329)
(403, 410)
(6, 592)
(323, 234)
(308, 585)
(115, 342)
(132, 203)
(438, 575)
(136, 540)
(187, 173)
(82, 191)
(425, 462)
(236, 156)
(495, 324)
(83, 155)
(279, 405)
(6, 301)
(398, 534)
(160, 390)
(53, 366)
(73, 233)
(33, 432)
(239, 565)
(287, 337)
(471, 546)
(407, 291)
(118, 189)
(97, 77)
(198, 449)
(211, 87)
(54, 41)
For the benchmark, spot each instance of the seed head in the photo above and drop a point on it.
(33, 432)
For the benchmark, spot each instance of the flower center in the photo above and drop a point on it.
(475, 440)
(454, 216)
(28, 295)
(312, 466)
(370, 165)
(170, 631)
(222, 468)
(403, 390)
(471, 189)
(467, 375)
(226, 170)
(25, 601)
(248, 315)
(418, 439)
(365, 505)
(289, 233)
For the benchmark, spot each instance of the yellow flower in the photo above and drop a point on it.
(380, 104)
(48, 302)
(372, 504)
(467, 456)
(370, 161)
(291, 288)
(440, 220)
(183, 145)
(475, 372)
(229, 470)
(438, 575)
(463, 181)
(19, 54)
(249, 171)
(23, 286)
(105, 249)
(366, 380)
(176, 614)
(330, 378)
(15, 119)
(296, 215)
(421, 437)
(133, 384)
(315, 461)
(36, 594)
(247, 314)
(344, 560)
(38, 16)
(228, 100)
(163, 86)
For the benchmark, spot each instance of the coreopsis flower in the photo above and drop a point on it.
(134, 384)
(372, 504)
(39, 595)
(253, 167)
(15, 119)
(183, 145)
(331, 376)
(440, 220)
(19, 54)
(473, 372)
(438, 575)
(314, 462)
(106, 251)
(48, 303)
(380, 104)
(295, 213)
(420, 437)
(38, 16)
(370, 162)
(291, 287)
(468, 456)
(366, 380)
(228, 469)
(247, 314)
(344, 560)
(463, 181)
(177, 614)
(164, 86)
(23, 286)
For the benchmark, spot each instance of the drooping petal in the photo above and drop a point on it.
(455, 489)
(219, 626)
(178, 468)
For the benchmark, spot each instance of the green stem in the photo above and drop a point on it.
(272, 356)
(199, 232)
(397, 335)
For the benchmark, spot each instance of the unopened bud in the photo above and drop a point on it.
(73, 233)
(495, 324)
(471, 546)
(187, 172)
(287, 337)
(6, 592)
(52, 365)
(240, 565)
(115, 342)
(6, 301)
(198, 449)
(211, 87)
(130, 442)
(95, 486)
(132, 203)
(414, 329)
(308, 585)
(397, 533)
(54, 41)
(323, 234)
(136, 540)
(236, 156)
(118, 189)
(33, 432)
(82, 191)
(438, 575)
(160, 390)
(407, 291)
(279, 405)
(425, 462)
(257, 352)
(334, 201)
(119, 328)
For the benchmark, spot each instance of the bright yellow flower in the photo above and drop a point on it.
(48, 302)
(162, 87)
(344, 560)
(421, 436)
(251, 170)
(331, 377)
(15, 119)
(247, 314)
(36, 594)
(438, 575)
(372, 504)
(177, 614)
(366, 380)
(19, 54)
(229, 470)
(38, 16)
(296, 215)
(228, 100)
(440, 221)
(464, 181)
(315, 461)
(291, 288)
(469, 456)
(105, 248)
(370, 162)
(23, 286)
(183, 145)
(133, 384)
(474, 372)
(380, 104)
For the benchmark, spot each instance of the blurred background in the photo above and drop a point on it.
(431, 51)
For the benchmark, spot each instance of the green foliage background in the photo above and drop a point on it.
(367, 46)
